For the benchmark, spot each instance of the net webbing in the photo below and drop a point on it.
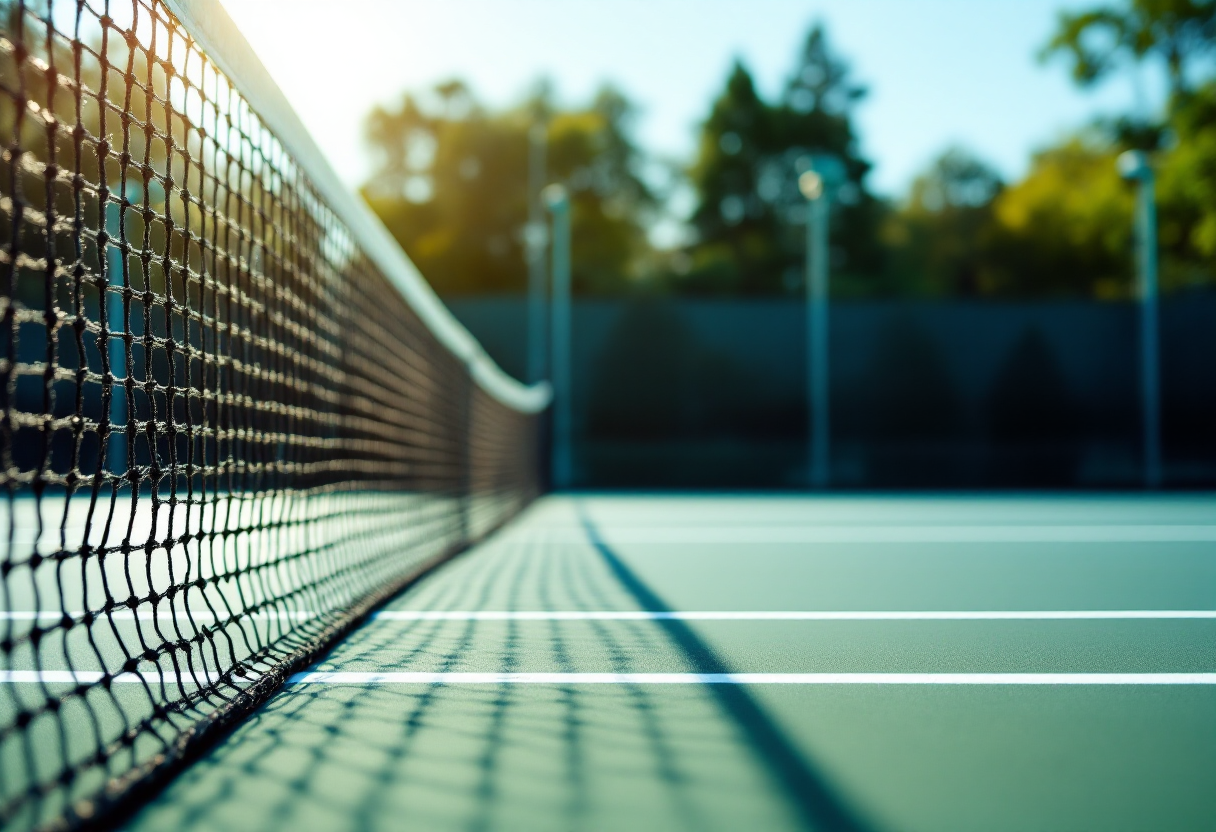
(225, 435)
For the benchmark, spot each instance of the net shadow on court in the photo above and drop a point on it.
(560, 756)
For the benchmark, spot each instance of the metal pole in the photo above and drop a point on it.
(535, 240)
(819, 461)
(1150, 367)
(118, 326)
(1135, 165)
(559, 205)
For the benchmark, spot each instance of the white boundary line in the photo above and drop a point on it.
(790, 615)
(1104, 533)
(697, 615)
(355, 678)
(457, 678)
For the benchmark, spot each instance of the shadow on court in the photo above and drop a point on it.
(806, 788)
(533, 757)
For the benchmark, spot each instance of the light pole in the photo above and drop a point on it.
(822, 175)
(1134, 165)
(536, 237)
(558, 202)
(818, 406)
(117, 452)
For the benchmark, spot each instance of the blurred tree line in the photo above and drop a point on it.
(749, 232)
(1065, 229)
(451, 184)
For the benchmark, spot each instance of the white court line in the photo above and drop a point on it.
(789, 615)
(1104, 533)
(458, 678)
(698, 615)
(356, 678)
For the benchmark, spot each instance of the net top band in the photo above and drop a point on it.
(209, 24)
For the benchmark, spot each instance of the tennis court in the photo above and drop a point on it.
(925, 663)
(273, 554)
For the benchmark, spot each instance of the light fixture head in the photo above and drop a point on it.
(555, 196)
(1134, 164)
(811, 185)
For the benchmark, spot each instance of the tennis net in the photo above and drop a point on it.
(233, 419)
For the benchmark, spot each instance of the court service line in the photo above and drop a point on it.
(459, 678)
(788, 615)
(1003, 533)
(462, 678)
(652, 615)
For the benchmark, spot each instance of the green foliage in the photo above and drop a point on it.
(749, 215)
(1066, 228)
(938, 240)
(452, 187)
(1187, 189)
(1179, 33)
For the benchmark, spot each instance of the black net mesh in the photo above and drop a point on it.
(225, 435)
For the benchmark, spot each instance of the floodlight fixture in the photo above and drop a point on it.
(811, 185)
(556, 197)
(1134, 164)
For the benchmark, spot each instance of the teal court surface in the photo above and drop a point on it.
(760, 663)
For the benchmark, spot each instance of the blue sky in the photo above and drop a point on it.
(940, 72)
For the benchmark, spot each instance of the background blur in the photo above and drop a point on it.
(983, 322)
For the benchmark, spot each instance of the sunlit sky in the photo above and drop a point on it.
(940, 72)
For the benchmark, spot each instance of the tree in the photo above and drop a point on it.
(592, 152)
(1187, 190)
(451, 186)
(1179, 33)
(736, 234)
(749, 213)
(937, 239)
(1065, 229)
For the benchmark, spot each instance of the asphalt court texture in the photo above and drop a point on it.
(746, 663)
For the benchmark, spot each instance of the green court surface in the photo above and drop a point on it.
(935, 663)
